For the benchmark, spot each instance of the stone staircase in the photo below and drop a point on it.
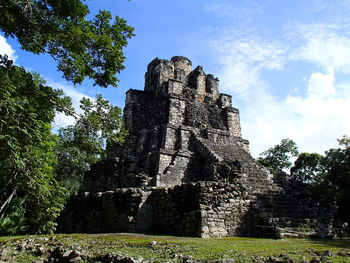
(292, 215)
(259, 179)
(204, 148)
(278, 211)
(175, 170)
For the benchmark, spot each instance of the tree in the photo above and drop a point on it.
(29, 193)
(31, 198)
(278, 157)
(328, 175)
(84, 143)
(37, 166)
(309, 168)
(82, 48)
(337, 163)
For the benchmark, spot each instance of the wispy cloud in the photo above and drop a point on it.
(313, 120)
(6, 49)
(243, 59)
(323, 44)
(241, 10)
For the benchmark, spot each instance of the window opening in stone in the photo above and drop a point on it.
(209, 87)
(179, 74)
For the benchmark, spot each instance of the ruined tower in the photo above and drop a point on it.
(174, 126)
(185, 169)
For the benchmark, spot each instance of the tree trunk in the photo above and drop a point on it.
(8, 200)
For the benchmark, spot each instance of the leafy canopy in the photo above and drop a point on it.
(279, 157)
(27, 158)
(327, 174)
(83, 48)
(84, 143)
(32, 159)
(308, 168)
(337, 163)
(37, 167)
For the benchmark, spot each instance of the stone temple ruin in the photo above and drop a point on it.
(186, 170)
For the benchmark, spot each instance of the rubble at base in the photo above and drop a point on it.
(186, 170)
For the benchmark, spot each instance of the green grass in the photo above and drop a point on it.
(167, 248)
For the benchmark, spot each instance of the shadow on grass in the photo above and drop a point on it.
(339, 243)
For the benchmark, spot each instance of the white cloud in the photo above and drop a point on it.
(314, 120)
(243, 59)
(61, 120)
(323, 44)
(321, 116)
(6, 49)
(321, 84)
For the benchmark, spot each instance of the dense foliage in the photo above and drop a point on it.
(337, 177)
(278, 158)
(29, 192)
(38, 169)
(327, 174)
(83, 48)
(84, 143)
(308, 167)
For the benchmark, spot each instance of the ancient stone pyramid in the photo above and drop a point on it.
(186, 170)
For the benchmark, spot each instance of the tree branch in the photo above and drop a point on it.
(71, 113)
(8, 200)
(66, 110)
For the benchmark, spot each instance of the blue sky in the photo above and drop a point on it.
(286, 63)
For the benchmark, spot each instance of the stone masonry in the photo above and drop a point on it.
(185, 169)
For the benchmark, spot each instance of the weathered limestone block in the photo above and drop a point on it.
(176, 111)
(225, 101)
(183, 67)
(212, 87)
(165, 161)
(159, 71)
(233, 122)
(199, 82)
(185, 139)
(174, 86)
(170, 139)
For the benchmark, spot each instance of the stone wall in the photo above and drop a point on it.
(102, 212)
(294, 213)
(203, 209)
(176, 210)
(173, 211)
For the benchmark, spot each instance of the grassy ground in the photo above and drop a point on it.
(175, 249)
